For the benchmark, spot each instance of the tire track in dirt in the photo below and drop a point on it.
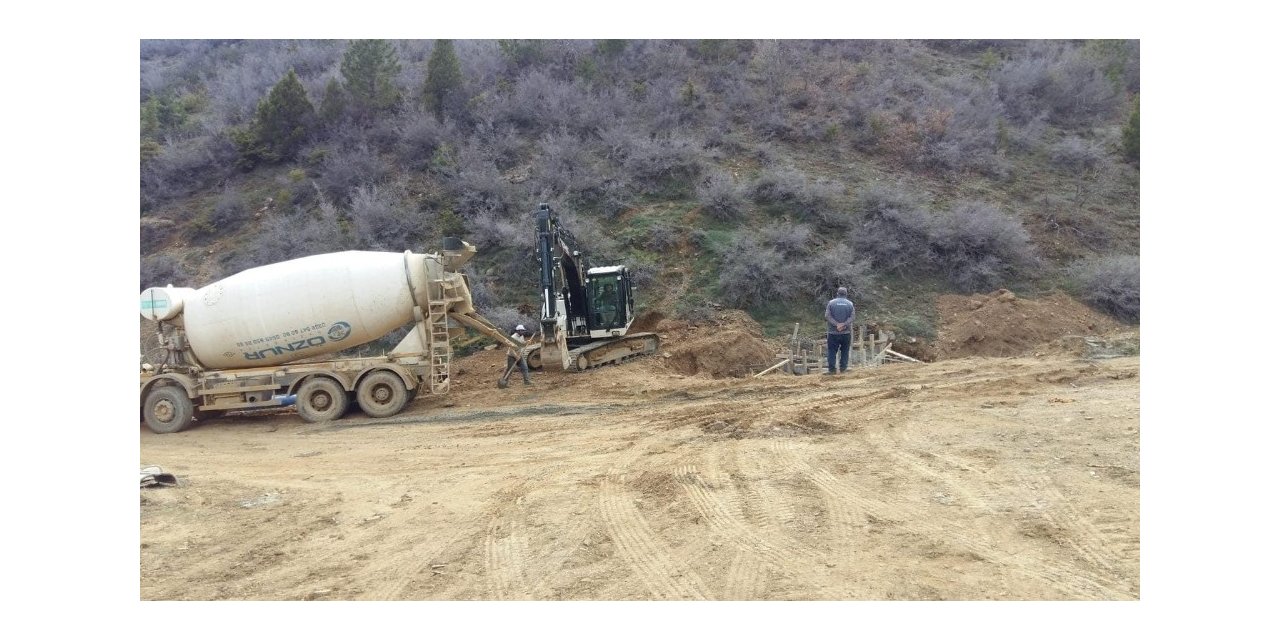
(746, 577)
(913, 520)
(761, 508)
(508, 559)
(645, 554)
(1089, 542)
(665, 574)
(504, 556)
(905, 453)
(774, 507)
(370, 534)
(576, 536)
(719, 514)
(754, 501)
(842, 522)
(404, 570)
(225, 567)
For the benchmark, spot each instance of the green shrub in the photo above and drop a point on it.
(916, 325)
(369, 70)
(149, 149)
(280, 126)
(1130, 143)
(202, 226)
(442, 90)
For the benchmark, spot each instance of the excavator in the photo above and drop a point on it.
(586, 311)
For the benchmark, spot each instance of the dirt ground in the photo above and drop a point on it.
(964, 479)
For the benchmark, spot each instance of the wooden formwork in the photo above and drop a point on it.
(868, 348)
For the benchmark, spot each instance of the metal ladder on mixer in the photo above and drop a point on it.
(440, 353)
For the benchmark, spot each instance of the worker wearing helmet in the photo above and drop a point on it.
(521, 337)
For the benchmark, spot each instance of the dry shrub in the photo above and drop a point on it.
(1112, 284)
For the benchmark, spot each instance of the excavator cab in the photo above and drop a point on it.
(610, 301)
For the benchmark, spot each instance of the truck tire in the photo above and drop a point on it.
(168, 409)
(382, 394)
(322, 399)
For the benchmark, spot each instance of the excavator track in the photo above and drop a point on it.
(613, 351)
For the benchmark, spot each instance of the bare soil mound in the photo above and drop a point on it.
(729, 345)
(726, 353)
(1001, 324)
(648, 321)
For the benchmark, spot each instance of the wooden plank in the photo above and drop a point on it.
(879, 359)
(862, 336)
(780, 363)
(899, 355)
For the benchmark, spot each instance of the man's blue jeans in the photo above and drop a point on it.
(838, 341)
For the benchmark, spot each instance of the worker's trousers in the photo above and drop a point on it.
(524, 366)
(838, 341)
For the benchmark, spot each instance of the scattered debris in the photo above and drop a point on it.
(262, 500)
(154, 476)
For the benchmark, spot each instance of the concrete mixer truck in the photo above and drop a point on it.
(259, 338)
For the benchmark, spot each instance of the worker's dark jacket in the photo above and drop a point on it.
(840, 310)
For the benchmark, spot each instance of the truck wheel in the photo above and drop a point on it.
(168, 409)
(322, 399)
(382, 394)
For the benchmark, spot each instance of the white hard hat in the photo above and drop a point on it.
(519, 327)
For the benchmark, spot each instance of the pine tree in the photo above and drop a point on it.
(369, 68)
(280, 125)
(1129, 141)
(443, 86)
(334, 104)
(285, 117)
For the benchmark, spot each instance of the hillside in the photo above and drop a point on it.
(749, 174)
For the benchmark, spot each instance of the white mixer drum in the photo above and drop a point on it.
(306, 307)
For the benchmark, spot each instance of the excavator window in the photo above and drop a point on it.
(606, 306)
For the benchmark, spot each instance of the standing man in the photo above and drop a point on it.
(839, 330)
(521, 337)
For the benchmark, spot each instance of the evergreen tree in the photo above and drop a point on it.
(369, 68)
(1129, 141)
(443, 86)
(279, 126)
(334, 104)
